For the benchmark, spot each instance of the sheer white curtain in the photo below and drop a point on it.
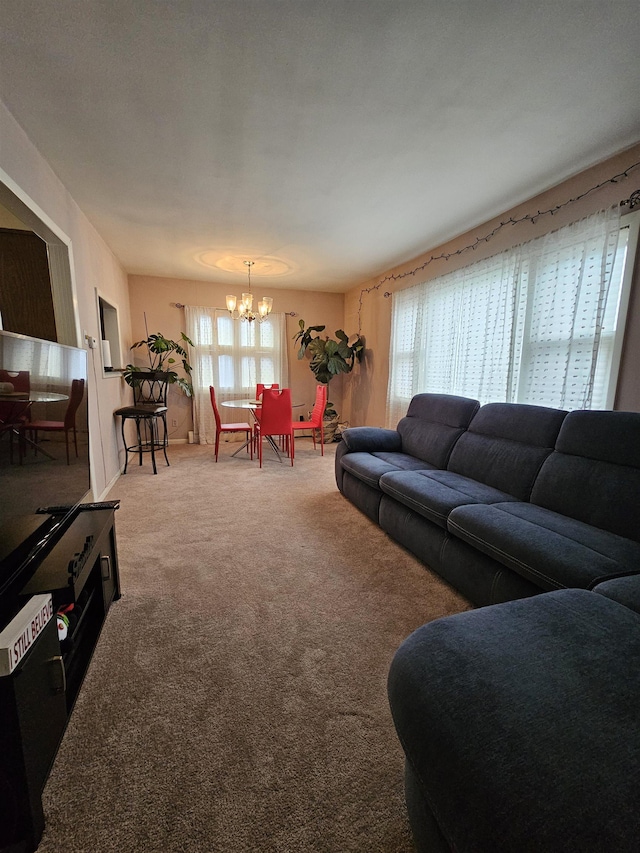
(233, 356)
(453, 335)
(570, 285)
(534, 324)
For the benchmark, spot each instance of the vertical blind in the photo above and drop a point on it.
(535, 324)
(233, 356)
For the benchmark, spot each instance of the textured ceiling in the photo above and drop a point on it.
(327, 140)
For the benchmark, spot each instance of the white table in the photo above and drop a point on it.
(252, 405)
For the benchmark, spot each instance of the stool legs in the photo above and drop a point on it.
(165, 439)
(147, 438)
(153, 426)
(139, 442)
(126, 449)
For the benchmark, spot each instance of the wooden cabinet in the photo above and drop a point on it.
(26, 300)
(38, 695)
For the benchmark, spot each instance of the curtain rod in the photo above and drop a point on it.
(632, 201)
(181, 305)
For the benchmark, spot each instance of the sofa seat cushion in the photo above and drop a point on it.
(369, 467)
(520, 724)
(550, 549)
(434, 494)
(625, 590)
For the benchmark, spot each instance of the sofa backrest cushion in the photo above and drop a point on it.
(433, 424)
(506, 444)
(594, 472)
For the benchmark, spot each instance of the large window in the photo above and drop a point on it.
(233, 356)
(541, 323)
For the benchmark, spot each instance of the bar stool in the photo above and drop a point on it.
(149, 410)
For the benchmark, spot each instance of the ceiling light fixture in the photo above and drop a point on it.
(242, 310)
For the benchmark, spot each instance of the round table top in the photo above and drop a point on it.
(249, 404)
(33, 397)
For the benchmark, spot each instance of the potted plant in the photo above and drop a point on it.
(160, 351)
(329, 358)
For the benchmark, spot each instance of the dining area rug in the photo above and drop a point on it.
(236, 701)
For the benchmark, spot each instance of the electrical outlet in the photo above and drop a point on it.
(174, 422)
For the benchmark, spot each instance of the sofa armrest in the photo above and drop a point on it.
(372, 440)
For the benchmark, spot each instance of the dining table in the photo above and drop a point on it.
(251, 406)
(28, 398)
(16, 406)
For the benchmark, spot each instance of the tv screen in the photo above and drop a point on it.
(43, 396)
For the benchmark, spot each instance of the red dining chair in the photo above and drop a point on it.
(316, 422)
(67, 425)
(20, 380)
(276, 419)
(259, 389)
(237, 427)
(260, 386)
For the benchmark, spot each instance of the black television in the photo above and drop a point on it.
(36, 378)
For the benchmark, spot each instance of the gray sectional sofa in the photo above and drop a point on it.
(503, 500)
(519, 719)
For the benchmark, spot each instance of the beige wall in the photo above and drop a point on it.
(366, 387)
(30, 178)
(157, 298)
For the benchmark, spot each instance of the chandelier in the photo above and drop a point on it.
(242, 310)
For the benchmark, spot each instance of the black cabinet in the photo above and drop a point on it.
(33, 716)
(80, 575)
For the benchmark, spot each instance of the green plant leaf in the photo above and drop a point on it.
(328, 357)
(160, 349)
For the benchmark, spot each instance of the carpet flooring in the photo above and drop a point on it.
(236, 700)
